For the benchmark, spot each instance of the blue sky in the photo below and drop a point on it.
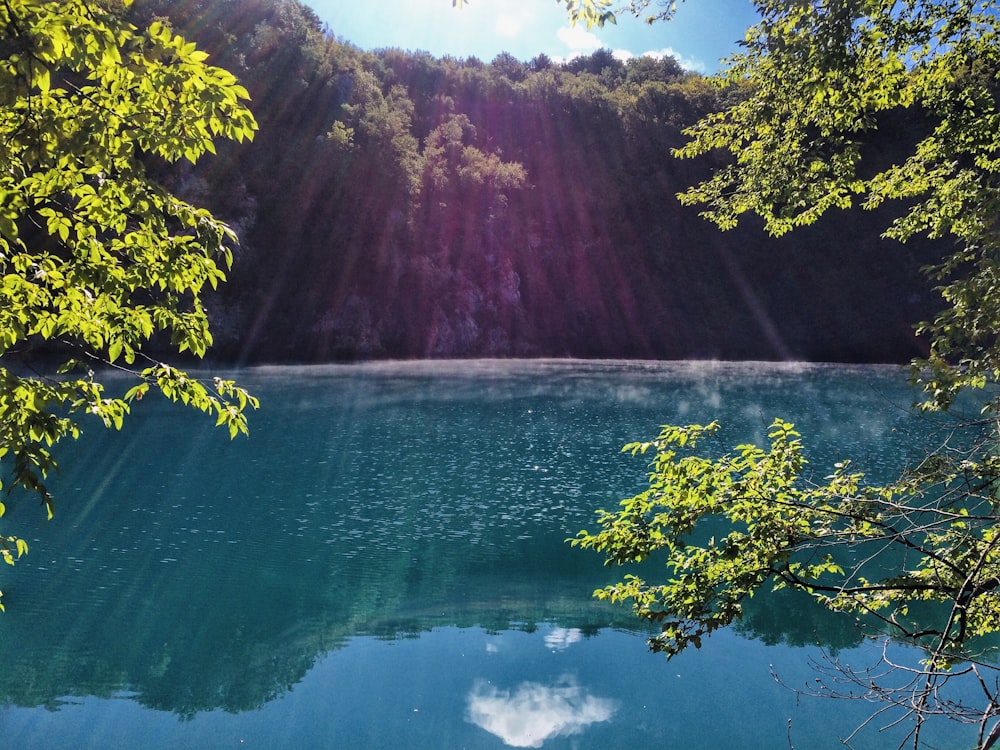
(703, 31)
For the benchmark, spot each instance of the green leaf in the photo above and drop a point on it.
(124, 260)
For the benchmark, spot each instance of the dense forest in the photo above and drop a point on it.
(398, 205)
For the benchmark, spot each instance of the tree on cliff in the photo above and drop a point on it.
(95, 257)
(817, 78)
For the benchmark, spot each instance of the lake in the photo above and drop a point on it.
(382, 564)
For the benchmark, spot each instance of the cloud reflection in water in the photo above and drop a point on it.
(562, 638)
(533, 713)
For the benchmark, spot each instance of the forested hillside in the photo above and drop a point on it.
(398, 205)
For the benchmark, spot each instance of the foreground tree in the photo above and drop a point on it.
(815, 78)
(95, 258)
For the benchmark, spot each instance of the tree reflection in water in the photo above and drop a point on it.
(393, 501)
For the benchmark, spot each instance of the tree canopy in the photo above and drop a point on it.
(916, 559)
(96, 258)
(345, 253)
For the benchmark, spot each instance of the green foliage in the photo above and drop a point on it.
(819, 79)
(917, 558)
(915, 561)
(380, 127)
(752, 519)
(95, 257)
(450, 161)
(344, 253)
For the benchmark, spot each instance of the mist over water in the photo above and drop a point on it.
(383, 564)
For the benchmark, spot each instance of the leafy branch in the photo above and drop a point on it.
(96, 258)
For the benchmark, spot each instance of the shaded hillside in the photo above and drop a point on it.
(398, 205)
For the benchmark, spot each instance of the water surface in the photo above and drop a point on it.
(383, 564)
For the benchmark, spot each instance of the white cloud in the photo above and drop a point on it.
(578, 40)
(508, 25)
(534, 713)
(511, 18)
(686, 62)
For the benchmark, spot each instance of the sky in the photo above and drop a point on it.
(700, 35)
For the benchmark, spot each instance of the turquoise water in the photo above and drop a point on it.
(382, 564)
